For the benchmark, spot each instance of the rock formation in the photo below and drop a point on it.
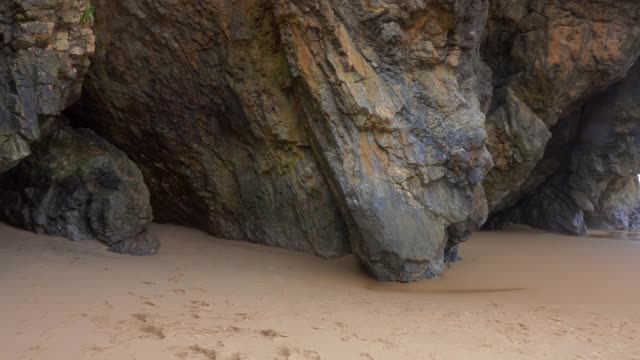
(71, 183)
(598, 188)
(391, 129)
(44, 49)
(548, 57)
(301, 124)
(77, 185)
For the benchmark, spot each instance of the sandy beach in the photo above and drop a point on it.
(519, 294)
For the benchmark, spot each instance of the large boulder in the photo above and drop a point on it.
(44, 49)
(78, 186)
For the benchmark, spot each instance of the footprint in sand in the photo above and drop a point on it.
(98, 348)
(387, 343)
(150, 329)
(238, 356)
(176, 278)
(242, 316)
(271, 334)
(200, 303)
(153, 330)
(141, 317)
(207, 353)
(211, 354)
(311, 355)
(196, 306)
(285, 353)
(182, 354)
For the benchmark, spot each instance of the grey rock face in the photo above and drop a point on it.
(548, 58)
(381, 119)
(78, 186)
(598, 187)
(44, 48)
(302, 124)
(552, 209)
(391, 129)
(199, 95)
(606, 161)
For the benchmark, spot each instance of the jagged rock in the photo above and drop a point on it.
(77, 185)
(218, 133)
(606, 160)
(548, 57)
(597, 187)
(518, 138)
(552, 209)
(299, 123)
(330, 126)
(617, 207)
(382, 125)
(44, 49)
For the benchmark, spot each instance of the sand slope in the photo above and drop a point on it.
(518, 295)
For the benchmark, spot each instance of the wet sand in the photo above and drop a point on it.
(520, 294)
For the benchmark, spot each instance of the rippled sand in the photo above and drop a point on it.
(519, 294)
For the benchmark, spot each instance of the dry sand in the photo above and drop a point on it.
(520, 294)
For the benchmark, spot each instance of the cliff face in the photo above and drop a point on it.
(390, 129)
(199, 94)
(302, 124)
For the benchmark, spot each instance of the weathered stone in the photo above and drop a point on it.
(597, 186)
(518, 138)
(330, 126)
(304, 113)
(218, 133)
(549, 56)
(551, 208)
(38, 75)
(78, 186)
(606, 160)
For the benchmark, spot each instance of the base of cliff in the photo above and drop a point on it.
(517, 294)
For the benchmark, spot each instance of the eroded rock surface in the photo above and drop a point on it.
(78, 186)
(199, 95)
(44, 48)
(388, 128)
(302, 123)
(398, 127)
(600, 184)
(331, 126)
(548, 57)
(606, 163)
